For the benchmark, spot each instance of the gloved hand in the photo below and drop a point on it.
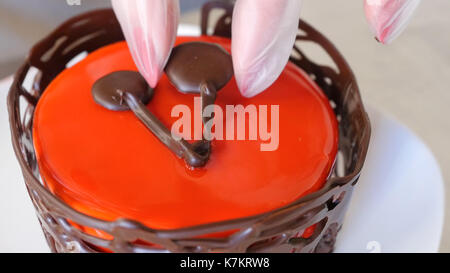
(263, 33)
(388, 18)
(150, 28)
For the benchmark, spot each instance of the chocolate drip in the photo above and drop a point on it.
(128, 90)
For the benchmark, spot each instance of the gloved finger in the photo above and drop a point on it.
(388, 18)
(264, 33)
(150, 28)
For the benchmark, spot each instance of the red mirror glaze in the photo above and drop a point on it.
(108, 165)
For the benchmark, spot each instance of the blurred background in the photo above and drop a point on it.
(408, 80)
(22, 23)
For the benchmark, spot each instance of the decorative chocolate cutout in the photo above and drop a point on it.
(194, 64)
(200, 68)
(125, 90)
(194, 67)
(109, 91)
(56, 212)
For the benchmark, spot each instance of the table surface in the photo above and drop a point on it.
(406, 79)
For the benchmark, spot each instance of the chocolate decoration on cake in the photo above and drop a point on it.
(273, 231)
(128, 90)
(195, 64)
(200, 68)
(110, 90)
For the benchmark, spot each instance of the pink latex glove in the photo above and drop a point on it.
(264, 33)
(150, 28)
(388, 18)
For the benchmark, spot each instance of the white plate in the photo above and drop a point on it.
(398, 203)
(397, 206)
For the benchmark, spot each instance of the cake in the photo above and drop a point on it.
(114, 179)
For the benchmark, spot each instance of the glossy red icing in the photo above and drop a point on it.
(108, 165)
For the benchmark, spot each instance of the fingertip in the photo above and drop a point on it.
(249, 85)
